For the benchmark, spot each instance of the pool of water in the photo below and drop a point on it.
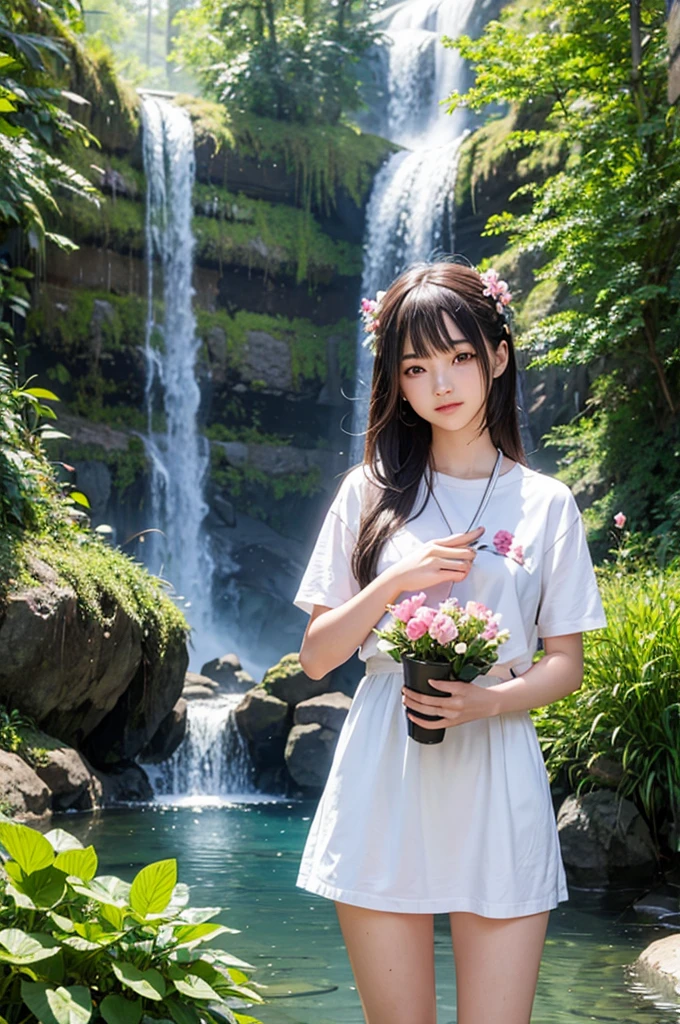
(244, 858)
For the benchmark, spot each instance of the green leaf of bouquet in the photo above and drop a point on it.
(19, 947)
(119, 1010)
(152, 887)
(27, 847)
(57, 1005)
(45, 887)
(149, 984)
(81, 863)
(59, 839)
(42, 393)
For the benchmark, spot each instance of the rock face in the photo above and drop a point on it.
(604, 839)
(328, 709)
(264, 721)
(168, 735)
(21, 790)
(309, 753)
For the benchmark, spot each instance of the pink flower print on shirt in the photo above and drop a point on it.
(502, 541)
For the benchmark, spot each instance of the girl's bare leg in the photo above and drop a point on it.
(497, 964)
(392, 958)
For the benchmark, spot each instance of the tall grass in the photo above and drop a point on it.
(628, 708)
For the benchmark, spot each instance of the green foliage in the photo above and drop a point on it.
(605, 223)
(37, 42)
(627, 709)
(78, 947)
(292, 61)
(17, 735)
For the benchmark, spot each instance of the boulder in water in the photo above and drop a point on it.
(604, 837)
(197, 685)
(168, 735)
(309, 753)
(229, 673)
(328, 710)
(287, 681)
(264, 721)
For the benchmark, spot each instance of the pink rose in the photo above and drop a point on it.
(502, 541)
(620, 520)
(517, 553)
(427, 614)
(415, 628)
(443, 629)
(477, 610)
(407, 608)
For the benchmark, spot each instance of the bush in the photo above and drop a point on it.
(77, 947)
(627, 709)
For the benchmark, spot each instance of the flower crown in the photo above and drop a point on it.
(494, 287)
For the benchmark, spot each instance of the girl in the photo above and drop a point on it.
(466, 827)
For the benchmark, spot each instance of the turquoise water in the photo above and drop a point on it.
(244, 857)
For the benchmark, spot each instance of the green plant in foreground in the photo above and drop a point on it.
(627, 709)
(77, 947)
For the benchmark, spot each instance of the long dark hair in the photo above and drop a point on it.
(398, 452)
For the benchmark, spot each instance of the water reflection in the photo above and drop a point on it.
(244, 858)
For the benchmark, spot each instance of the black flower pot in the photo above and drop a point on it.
(416, 674)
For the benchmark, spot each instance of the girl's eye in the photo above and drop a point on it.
(468, 357)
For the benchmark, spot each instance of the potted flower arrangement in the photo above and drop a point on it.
(447, 642)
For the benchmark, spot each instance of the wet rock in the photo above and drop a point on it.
(267, 359)
(22, 792)
(328, 709)
(287, 681)
(125, 783)
(309, 753)
(168, 736)
(604, 838)
(229, 673)
(197, 685)
(264, 721)
(70, 779)
(658, 967)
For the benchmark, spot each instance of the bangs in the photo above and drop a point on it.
(421, 320)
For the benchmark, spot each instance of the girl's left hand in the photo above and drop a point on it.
(459, 703)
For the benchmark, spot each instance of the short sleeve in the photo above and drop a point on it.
(328, 578)
(570, 600)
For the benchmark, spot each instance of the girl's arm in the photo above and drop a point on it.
(333, 634)
(558, 673)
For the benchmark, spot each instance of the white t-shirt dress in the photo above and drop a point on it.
(467, 824)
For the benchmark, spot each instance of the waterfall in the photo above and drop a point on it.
(179, 455)
(211, 761)
(410, 211)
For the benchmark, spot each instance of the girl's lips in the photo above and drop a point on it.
(446, 408)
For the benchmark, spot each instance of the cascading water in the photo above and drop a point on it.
(212, 760)
(410, 211)
(179, 456)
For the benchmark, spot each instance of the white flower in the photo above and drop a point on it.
(385, 645)
(460, 648)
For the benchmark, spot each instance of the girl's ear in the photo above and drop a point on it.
(501, 357)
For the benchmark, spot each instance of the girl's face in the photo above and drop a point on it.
(447, 388)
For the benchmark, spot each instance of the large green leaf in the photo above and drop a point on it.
(152, 887)
(60, 840)
(20, 947)
(192, 934)
(106, 889)
(57, 1005)
(29, 848)
(191, 985)
(149, 984)
(81, 863)
(182, 1013)
(119, 1010)
(44, 887)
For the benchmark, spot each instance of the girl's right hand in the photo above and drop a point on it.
(445, 560)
